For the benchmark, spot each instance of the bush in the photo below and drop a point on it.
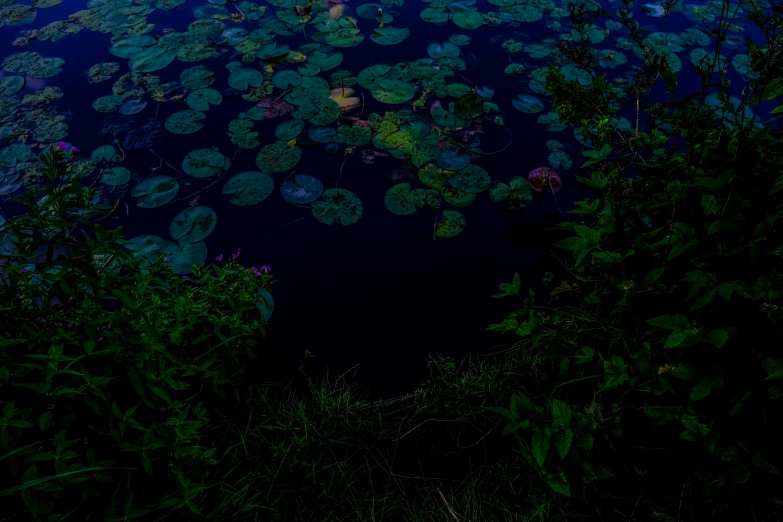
(112, 367)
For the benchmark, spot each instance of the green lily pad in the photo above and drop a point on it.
(369, 76)
(457, 197)
(196, 51)
(447, 50)
(450, 224)
(321, 134)
(152, 59)
(116, 176)
(249, 188)
(392, 91)
(193, 224)
(325, 61)
(527, 103)
(433, 176)
(611, 59)
(401, 200)
(272, 51)
(146, 247)
(560, 158)
(344, 37)
(107, 103)
(105, 153)
(356, 136)
(204, 163)
(388, 35)
(132, 107)
(453, 160)
(13, 154)
(301, 189)
(132, 45)
(286, 79)
(289, 129)
(499, 192)
(10, 85)
(468, 19)
(552, 122)
(338, 207)
(472, 179)
(469, 106)
(196, 77)
(370, 12)
(243, 79)
(183, 255)
(278, 157)
(185, 122)
(156, 191)
(201, 99)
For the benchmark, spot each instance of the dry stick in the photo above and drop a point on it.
(121, 150)
(451, 511)
(166, 162)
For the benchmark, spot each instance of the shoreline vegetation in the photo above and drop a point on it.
(642, 381)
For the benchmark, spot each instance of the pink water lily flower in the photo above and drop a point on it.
(544, 179)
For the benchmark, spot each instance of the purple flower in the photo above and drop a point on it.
(255, 270)
(74, 149)
(184, 277)
(165, 259)
(219, 258)
(62, 145)
(237, 254)
(24, 270)
(266, 268)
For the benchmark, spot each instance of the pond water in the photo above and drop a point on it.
(390, 286)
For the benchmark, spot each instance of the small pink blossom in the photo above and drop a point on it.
(62, 145)
(266, 268)
(165, 259)
(544, 179)
(219, 258)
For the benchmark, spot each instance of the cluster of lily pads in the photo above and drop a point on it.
(426, 113)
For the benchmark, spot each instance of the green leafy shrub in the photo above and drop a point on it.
(112, 367)
(664, 338)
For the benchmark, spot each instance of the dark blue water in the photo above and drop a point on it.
(381, 293)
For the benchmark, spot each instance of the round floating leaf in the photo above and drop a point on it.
(528, 103)
(132, 107)
(146, 247)
(445, 50)
(370, 12)
(278, 157)
(289, 129)
(193, 224)
(356, 136)
(369, 76)
(401, 200)
(155, 191)
(457, 197)
(116, 176)
(13, 154)
(450, 224)
(132, 45)
(249, 188)
(183, 255)
(337, 207)
(196, 77)
(472, 179)
(234, 35)
(469, 106)
(611, 59)
(201, 99)
(392, 91)
(552, 122)
(468, 19)
(10, 85)
(104, 153)
(321, 134)
(460, 39)
(453, 160)
(286, 79)
(152, 59)
(272, 51)
(185, 122)
(388, 35)
(243, 79)
(344, 37)
(107, 103)
(301, 189)
(203, 163)
(433, 176)
(499, 192)
(325, 61)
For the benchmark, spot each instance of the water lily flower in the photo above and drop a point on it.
(266, 268)
(544, 179)
(219, 258)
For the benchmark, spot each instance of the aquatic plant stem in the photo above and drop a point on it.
(282, 227)
(341, 171)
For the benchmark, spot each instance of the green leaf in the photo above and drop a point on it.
(45, 420)
(670, 322)
(653, 275)
(571, 243)
(541, 443)
(685, 372)
(125, 296)
(559, 487)
(522, 406)
(718, 338)
(675, 339)
(561, 412)
(563, 440)
(591, 236)
(504, 412)
(701, 390)
(777, 186)
(709, 204)
(41, 480)
(586, 356)
(774, 368)
(509, 289)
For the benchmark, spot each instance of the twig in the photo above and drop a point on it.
(121, 149)
(166, 162)
(451, 511)
(341, 171)
(112, 211)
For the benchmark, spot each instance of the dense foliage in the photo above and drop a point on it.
(112, 367)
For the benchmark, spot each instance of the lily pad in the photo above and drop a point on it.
(453, 160)
(10, 85)
(447, 50)
(289, 129)
(196, 77)
(392, 91)
(388, 35)
(527, 103)
(325, 61)
(183, 255)
(105, 153)
(132, 107)
(201, 99)
(278, 157)
(301, 189)
(185, 122)
(243, 79)
(146, 247)
(204, 163)
(450, 224)
(107, 103)
(13, 154)
(472, 179)
(338, 207)
(321, 134)
(286, 79)
(193, 224)
(401, 200)
(116, 176)
(156, 191)
(469, 106)
(249, 188)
